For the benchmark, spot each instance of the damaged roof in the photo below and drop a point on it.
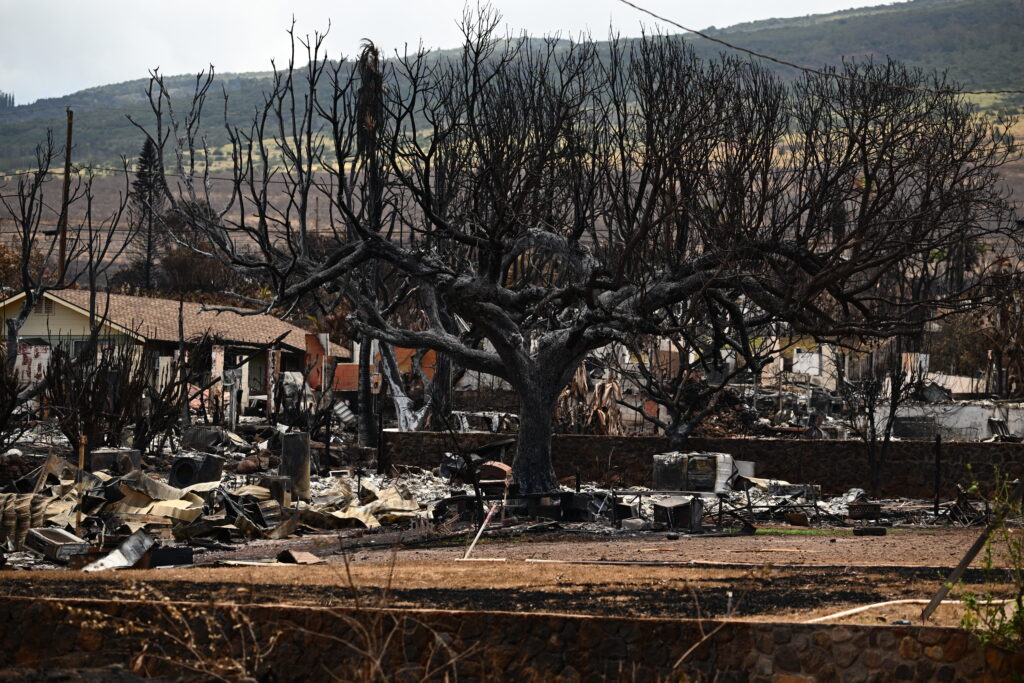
(157, 320)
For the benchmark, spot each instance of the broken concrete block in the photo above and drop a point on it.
(55, 544)
(680, 512)
(295, 461)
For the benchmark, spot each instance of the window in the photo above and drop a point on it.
(43, 307)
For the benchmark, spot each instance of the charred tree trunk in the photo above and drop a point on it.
(11, 344)
(410, 419)
(367, 426)
(873, 467)
(532, 467)
(874, 476)
(679, 435)
(440, 393)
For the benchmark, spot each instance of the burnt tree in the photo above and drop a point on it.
(50, 258)
(146, 207)
(545, 198)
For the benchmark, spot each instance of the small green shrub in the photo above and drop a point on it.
(995, 620)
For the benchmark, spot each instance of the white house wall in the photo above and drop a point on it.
(964, 421)
(62, 322)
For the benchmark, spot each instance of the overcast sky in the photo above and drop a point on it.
(55, 47)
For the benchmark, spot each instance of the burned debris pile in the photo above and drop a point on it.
(120, 510)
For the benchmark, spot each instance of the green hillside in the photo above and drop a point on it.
(977, 41)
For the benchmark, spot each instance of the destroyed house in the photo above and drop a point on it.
(62, 317)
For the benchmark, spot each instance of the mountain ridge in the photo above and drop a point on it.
(976, 41)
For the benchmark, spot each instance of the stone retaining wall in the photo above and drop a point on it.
(52, 633)
(836, 465)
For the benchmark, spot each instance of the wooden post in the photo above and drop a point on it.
(782, 368)
(244, 380)
(382, 465)
(62, 222)
(217, 353)
(938, 470)
(182, 367)
(295, 463)
(231, 389)
(81, 481)
(273, 359)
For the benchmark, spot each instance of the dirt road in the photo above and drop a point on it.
(769, 576)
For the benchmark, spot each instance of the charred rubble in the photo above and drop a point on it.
(223, 491)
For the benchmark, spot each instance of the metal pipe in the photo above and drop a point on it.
(480, 532)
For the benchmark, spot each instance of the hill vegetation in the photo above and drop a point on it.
(978, 42)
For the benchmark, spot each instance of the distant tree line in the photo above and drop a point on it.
(6, 100)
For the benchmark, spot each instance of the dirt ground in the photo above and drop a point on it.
(775, 575)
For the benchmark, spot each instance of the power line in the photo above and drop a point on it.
(807, 69)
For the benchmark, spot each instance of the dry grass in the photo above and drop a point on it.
(417, 578)
(220, 641)
(209, 642)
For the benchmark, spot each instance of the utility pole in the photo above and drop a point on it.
(83, 439)
(62, 222)
(182, 367)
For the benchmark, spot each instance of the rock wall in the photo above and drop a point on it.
(836, 465)
(311, 641)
